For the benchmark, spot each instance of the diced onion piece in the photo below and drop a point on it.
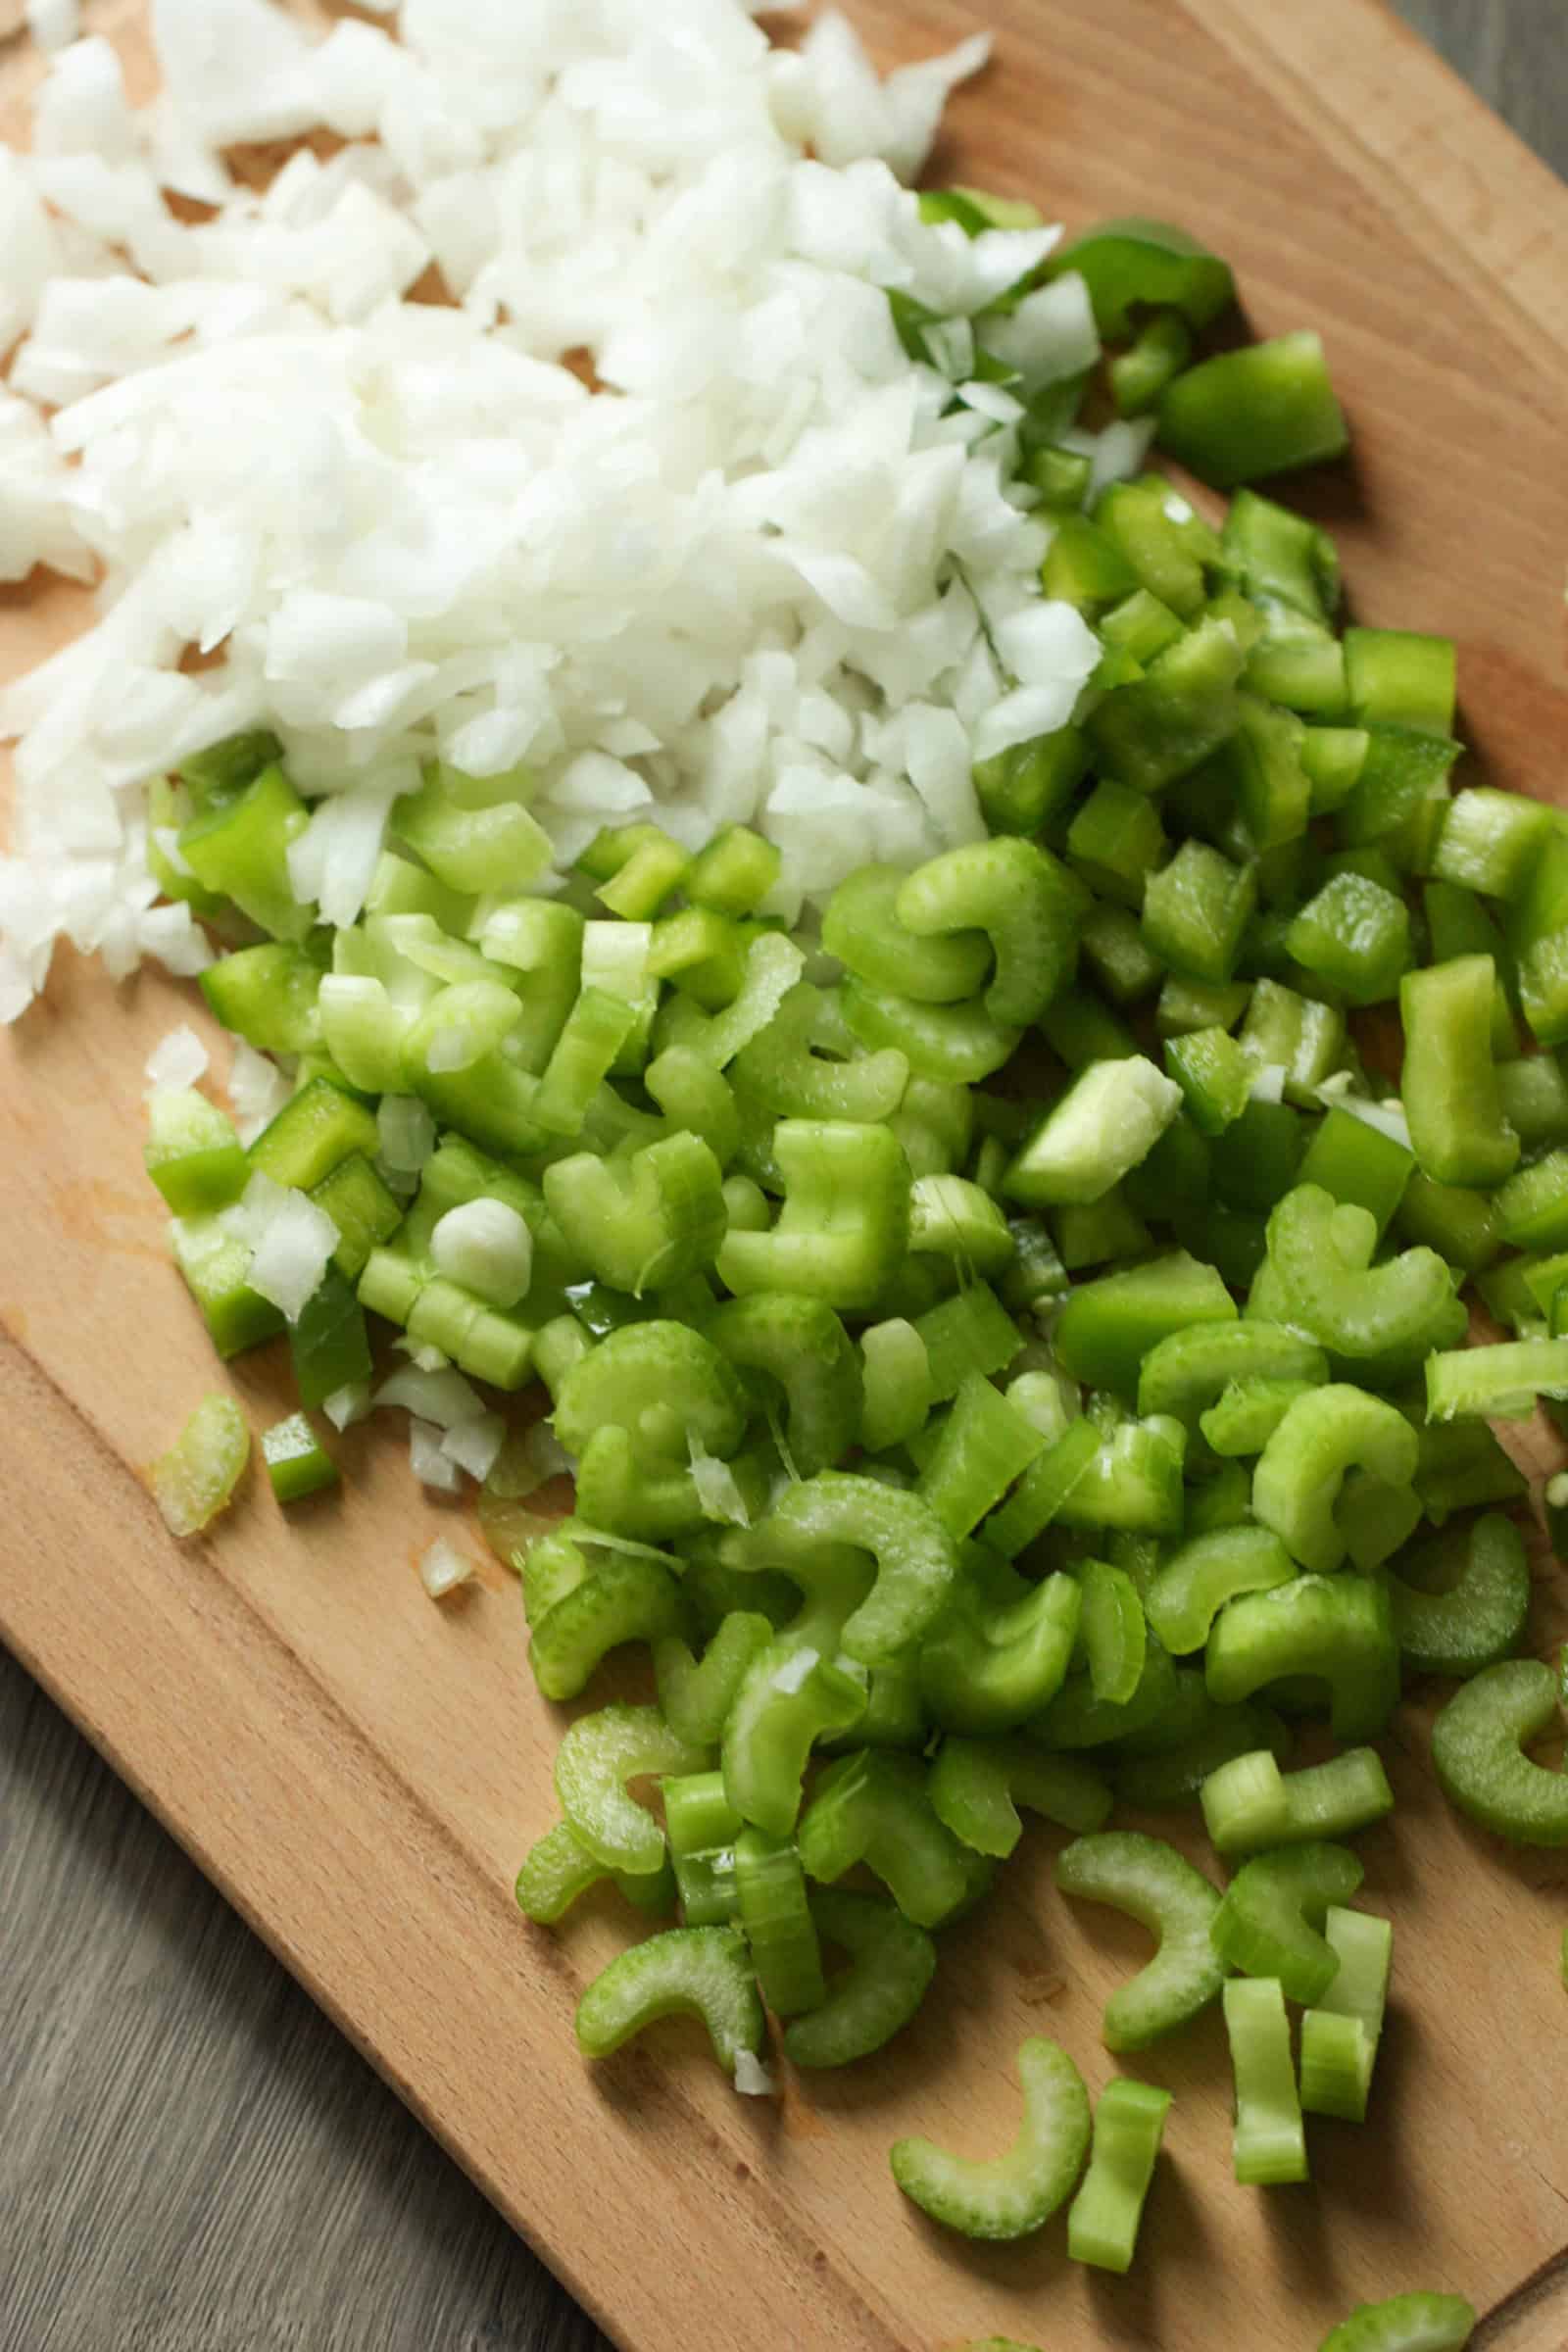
(443, 1568)
(444, 1397)
(292, 1241)
(751, 2077)
(348, 1405)
(473, 1444)
(178, 1060)
(485, 1246)
(431, 1466)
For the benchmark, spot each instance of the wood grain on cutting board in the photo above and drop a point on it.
(362, 1775)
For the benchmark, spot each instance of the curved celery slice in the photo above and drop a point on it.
(790, 1696)
(642, 1223)
(976, 1786)
(844, 1228)
(1022, 898)
(801, 1344)
(598, 1756)
(196, 1477)
(1007, 2196)
(660, 1382)
(872, 1807)
(1188, 1371)
(696, 1695)
(1269, 1921)
(699, 1971)
(1479, 1620)
(954, 1043)
(861, 927)
(999, 1652)
(1112, 1631)
(1194, 1585)
(1414, 2323)
(1151, 1882)
(559, 1868)
(1322, 1253)
(1477, 1751)
(625, 1599)
(1336, 1628)
(779, 1071)
(917, 1560)
(1301, 1473)
(892, 1961)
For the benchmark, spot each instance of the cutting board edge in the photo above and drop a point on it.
(1503, 207)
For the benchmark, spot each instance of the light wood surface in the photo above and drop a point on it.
(362, 1775)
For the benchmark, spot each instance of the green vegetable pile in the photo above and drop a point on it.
(1011, 1347)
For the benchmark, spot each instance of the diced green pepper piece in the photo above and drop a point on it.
(215, 1263)
(297, 1462)
(1266, 409)
(1022, 789)
(1108, 1328)
(1105, 1123)
(1196, 910)
(238, 847)
(1397, 678)
(1359, 1164)
(1154, 729)
(268, 996)
(192, 1154)
(1355, 937)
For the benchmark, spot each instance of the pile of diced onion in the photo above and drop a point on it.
(763, 569)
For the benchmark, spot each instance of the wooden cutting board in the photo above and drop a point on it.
(361, 1772)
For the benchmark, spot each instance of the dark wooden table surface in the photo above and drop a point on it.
(191, 2157)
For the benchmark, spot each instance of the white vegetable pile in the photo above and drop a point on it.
(770, 573)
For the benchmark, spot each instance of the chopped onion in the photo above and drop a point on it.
(473, 1444)
(178, 1060)
(431, 1466)
(485, 1246)
(405, 534)
(443, 1568)
(291, 1239)
(257, 1088)
(442, 1397)
(348, 1405)
(751, 2077)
